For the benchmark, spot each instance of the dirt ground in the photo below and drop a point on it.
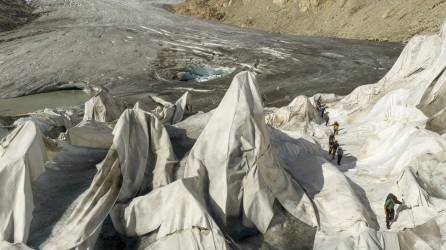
(389, 20)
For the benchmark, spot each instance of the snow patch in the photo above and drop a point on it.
(194, 89)
(274, 52)
(332, 55)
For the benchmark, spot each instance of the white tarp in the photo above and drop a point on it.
(385, 128)
(371, 240)
(194, 125)
(22, 157)
(239, 167)
(329, 189)
(182, 106)
(171, 113)
(419, 205)
(425, 236)
(433, 105)
(245, 177)
(394, 146)
(164, 111)
(429, 235)
(419, 72)
(325, 98)
(388, 149)
(299, 113)
(49, 119)
(91, 134)
(180, 214)
(140, 159)
(102, 107)
(416, 62)
(431, 169)
(4, 245)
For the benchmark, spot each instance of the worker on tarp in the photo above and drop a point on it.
(323, 108)
(389, 205)
(326, 118)
(334, 150)
(336, 128)
(340, 154)
(331, 140)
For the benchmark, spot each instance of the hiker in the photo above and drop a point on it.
(322, 111)
(340, 154)
(335, 128)
(318, 103)
(391, 200)
(327, 119)
(334, 150)
(331, 140)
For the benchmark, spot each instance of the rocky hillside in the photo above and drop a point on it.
(393, 20)
(14, 13)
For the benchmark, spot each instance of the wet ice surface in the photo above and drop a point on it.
(56, 99)
(204, 73)
(137, 47)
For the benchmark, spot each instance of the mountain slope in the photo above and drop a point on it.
(395, 20)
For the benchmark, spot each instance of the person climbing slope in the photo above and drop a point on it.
(323, 108)
(331, 140)
(389, 210)
(327, 119)
(340, 154)
(334, 150)
(336, 128)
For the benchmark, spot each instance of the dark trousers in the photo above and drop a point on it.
(333, 153)
(339, 159)
(389, 216)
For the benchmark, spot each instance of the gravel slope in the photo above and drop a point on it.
(393, 20)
